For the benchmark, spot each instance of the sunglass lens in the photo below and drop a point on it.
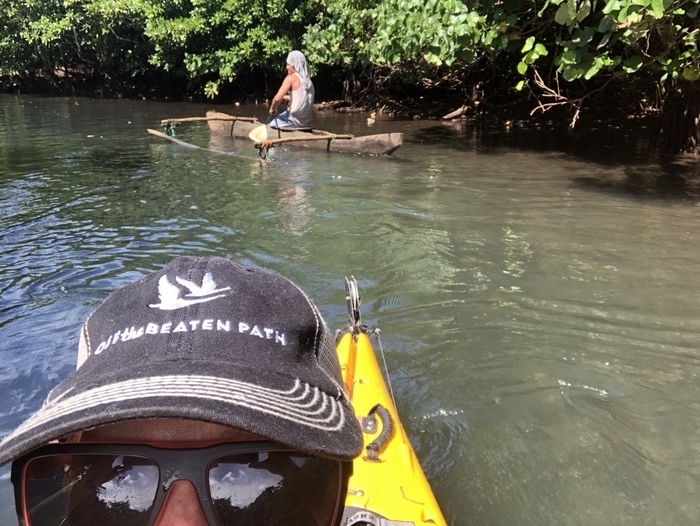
(275, 488)
(88, 490)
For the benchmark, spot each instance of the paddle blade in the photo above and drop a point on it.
(259, 134)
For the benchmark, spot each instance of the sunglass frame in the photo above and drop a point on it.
(173, 464)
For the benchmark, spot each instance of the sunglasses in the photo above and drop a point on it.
(252, 483)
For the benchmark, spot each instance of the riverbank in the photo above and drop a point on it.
(493, 108)
(490, 102)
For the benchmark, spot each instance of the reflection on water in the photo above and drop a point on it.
(536, 293)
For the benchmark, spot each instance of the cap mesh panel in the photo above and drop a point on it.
(327, 357)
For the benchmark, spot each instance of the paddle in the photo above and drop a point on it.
(259, 134)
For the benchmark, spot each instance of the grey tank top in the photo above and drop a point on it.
(302, 105)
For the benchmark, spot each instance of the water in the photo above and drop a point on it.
(537, 293)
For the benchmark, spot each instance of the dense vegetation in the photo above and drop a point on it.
(637, 55)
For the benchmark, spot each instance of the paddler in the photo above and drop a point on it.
(298, 90)
(207, 393)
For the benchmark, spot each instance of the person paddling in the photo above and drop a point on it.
(298, 90)
(207, 394)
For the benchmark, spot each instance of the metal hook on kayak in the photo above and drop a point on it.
(352, 296)
(356, 327)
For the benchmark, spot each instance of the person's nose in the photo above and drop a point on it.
(181, 507)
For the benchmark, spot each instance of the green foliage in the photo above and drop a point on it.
(578, 40)
(214, 40)
(210, 42)
(394, 32)
(96, 38)
(339, 34)
(438, 31)
(624, 37)
(531, 51)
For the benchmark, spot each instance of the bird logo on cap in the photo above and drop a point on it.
(170, 295)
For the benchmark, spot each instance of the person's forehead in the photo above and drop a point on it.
(167, 430)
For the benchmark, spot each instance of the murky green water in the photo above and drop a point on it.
(538, 295)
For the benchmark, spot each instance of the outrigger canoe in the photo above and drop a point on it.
(380, 144)
(388, 486)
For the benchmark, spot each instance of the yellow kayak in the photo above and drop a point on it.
(388, 486)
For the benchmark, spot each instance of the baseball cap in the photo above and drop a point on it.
(205, 339)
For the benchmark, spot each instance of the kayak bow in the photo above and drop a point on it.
(388, 486)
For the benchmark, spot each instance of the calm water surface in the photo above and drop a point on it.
(537, 294)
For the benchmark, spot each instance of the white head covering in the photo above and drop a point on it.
(298, 61)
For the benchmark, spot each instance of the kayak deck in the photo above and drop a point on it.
(388, 486)
(226, 125)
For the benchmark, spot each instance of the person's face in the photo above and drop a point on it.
(181, 507)
(290, 69)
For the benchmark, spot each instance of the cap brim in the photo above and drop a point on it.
(296, 415)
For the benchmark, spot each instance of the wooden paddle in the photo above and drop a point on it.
(259, 134)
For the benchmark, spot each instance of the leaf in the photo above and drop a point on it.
(541, 50)
(569, 57)
(595, 68)
(604, 40)
(605, 25)
(571, 73)
(432, 59)
(622, 15)
(473, 18)
(522, 68)
(528, 45)
(690, 74)
(520, 85)
(466, 54)
(582, 37)
(611, 6)
(562, 16)
(633, 64)
(657, 8)
(211, 89)
(583, 12)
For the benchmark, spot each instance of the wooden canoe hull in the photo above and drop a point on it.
(380, 144)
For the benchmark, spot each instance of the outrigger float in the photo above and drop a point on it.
(388, 486)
